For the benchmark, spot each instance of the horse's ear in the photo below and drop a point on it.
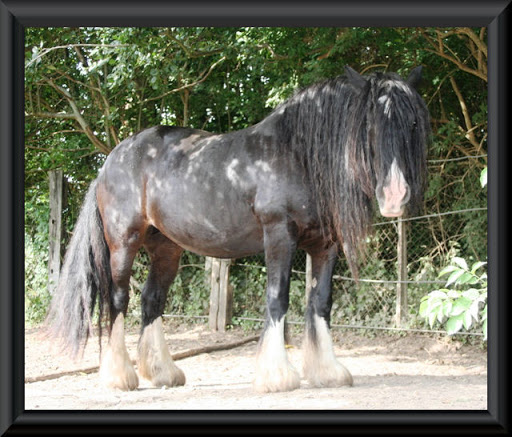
(414, 78)
(355, 78)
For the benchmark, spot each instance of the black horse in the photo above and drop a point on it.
(304, 177)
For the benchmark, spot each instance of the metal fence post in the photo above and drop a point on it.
(401, 287)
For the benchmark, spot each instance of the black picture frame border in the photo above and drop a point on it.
(16, 15)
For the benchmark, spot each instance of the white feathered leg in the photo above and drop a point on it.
(273, 370)
(155, 362)
(320, 366)
(116, 370)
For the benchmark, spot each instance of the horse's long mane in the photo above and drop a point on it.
(345, 138)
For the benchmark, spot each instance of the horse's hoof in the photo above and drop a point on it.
(276, 380)
(155, 362)
(334, 375)
(171, 376)
(117, 371)
(125, 381)
(129, 382)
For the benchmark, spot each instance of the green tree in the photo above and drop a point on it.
(86, 89)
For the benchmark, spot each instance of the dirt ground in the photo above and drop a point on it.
(390, 372)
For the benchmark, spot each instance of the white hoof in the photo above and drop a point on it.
(274, 373)
(332, 374)
(272, 380)
(320, 366)
(116, 370)
(155, 362)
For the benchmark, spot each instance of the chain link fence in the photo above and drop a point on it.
(371, 302)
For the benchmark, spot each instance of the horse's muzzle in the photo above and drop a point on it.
(392, 213)
(394, 194)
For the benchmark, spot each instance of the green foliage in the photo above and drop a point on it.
(37, 297)
(483, 177)
(455, 308)
(249, 282)
(122, 80)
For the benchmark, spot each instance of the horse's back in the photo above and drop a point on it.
(136, 158)
(155, 141)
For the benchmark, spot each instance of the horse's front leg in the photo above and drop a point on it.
(320, 366)
(273, 371)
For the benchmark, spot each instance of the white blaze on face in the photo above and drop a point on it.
(395, 192)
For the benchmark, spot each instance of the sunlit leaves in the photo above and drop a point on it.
(454, 307)
(483, 177)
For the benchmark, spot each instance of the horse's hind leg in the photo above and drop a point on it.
(155, 362)
(321, 368)
(116, 369)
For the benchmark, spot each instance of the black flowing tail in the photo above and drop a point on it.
(84, 279)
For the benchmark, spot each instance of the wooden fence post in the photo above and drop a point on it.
(221, 295)
(55, 228)
(208, 268)
(309, 276)
(401, 286)
(214, 292)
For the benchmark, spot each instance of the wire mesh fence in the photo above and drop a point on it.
(370, 302)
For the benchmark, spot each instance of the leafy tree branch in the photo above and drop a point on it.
(79, 118)
(204, 76)
(440, 46)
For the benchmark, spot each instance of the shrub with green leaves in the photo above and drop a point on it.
(464, 304)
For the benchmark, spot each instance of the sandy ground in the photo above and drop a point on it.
(390, 372)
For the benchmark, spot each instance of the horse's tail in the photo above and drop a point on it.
(85, 278)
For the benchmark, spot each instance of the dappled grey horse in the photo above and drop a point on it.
(304, 177)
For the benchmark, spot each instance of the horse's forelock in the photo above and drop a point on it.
(402, 119)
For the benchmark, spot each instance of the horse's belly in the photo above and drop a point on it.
(218, 249)
(223, 230)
